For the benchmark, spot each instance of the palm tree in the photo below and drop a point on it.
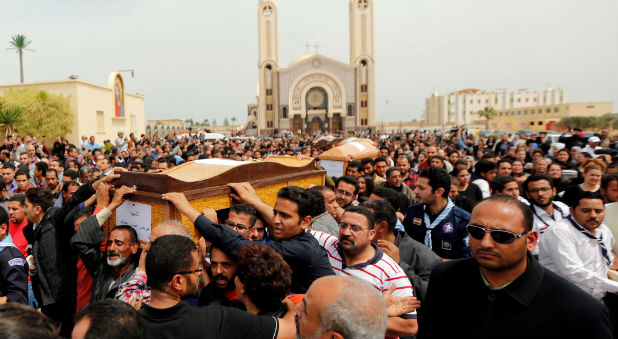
(487, 113)
(10, 119)
(20, 43)
(233, 120)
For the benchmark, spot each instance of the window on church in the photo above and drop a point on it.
(267, 10)
(269, 107)
(269, 91)
(350, 110)
(284, 112)
(362, 4)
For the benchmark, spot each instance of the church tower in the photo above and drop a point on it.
(268, 63)
(361, 56)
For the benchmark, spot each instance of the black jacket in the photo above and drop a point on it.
(538, 304)
(307, 259)
(86, 242)
(53, 258)
(417, 260)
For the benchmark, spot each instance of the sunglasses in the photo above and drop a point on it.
(499, 236)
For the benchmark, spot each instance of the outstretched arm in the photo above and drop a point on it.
(245, 193)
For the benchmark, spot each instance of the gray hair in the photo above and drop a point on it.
(85, 169)
(359, 312)
(175, 227)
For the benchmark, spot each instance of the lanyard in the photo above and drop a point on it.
(599, 240)
(431, 225)
(541, 219)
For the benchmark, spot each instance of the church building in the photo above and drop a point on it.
(314, 93)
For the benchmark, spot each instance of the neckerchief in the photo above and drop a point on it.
(599, 240)
(431, 225)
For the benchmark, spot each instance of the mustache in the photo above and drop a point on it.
(110, 253)
(347, 238)
(486, 251)
(220, 276)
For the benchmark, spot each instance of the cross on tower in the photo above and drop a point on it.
(316, 46)
(307, 46)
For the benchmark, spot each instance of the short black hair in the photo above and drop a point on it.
(391, 170)
(9, 164)
(266, 277)
(438, 178)
(168, 255)
(52, 170)
(70, 174)
(348, 180)
(608, 179)
(21, 198)
(585, 195)
(525, 209)
(383, 211)
(317, 202)
(389, 195)
(504, 160)
(40, 196)
(497, 186)
(485, 166)
(365, 212)
(366, 161)
(131, 230)
(85, 212)
(537, 177)
(22, 172)
(299, 196)
(245, 209)
(357, 164)
(380, 159)
(67, 185)
(42, 166)
(111, 318)
(4, 218)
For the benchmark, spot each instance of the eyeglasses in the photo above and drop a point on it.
(237, 227)
(541, 189)
(342, 192)
(499, 236)
(199, 270)
(354, 228)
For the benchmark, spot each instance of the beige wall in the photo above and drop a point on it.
(86, 100)
(537, 117)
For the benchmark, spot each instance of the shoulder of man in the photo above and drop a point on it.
(460, 215)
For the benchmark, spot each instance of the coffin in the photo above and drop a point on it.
(204, 184)
(335, 160)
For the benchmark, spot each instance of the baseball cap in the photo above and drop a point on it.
(594, 139)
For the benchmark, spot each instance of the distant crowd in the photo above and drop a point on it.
(443, 234)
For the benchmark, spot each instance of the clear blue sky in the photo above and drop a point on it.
(197, 59)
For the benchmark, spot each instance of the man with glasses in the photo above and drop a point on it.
(173, 268)
(503, 292)
(540, 192)
(435, 220)
(242, 219)
(354, 254)
(346, 192)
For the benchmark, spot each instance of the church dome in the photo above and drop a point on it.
(301, 58)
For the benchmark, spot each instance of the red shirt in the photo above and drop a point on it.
(17, 233)
(84, 285)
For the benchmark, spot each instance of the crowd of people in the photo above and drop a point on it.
(443, 234)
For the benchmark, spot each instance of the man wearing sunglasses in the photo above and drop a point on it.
(503, 292)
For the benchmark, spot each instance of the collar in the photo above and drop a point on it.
(377, 257)
(6, 242)
(524, 288)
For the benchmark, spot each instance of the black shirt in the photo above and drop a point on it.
(186, 321)
(538, 304)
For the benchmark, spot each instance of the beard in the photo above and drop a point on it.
(534, 202)
(229, 285)
(118, 262)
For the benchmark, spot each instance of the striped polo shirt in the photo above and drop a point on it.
(380, 271)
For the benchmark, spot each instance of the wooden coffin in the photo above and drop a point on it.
(204, 184)
(335, 160)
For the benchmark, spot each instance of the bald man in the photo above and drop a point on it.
(341, 307)
(134, 291)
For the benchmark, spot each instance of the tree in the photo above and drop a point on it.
(584, 122)
(20, 43)
(10, 119)
(233, 120)
(487, 113)
(44, 114)
(189, 122)
(225, 122)
(214, 122)
(206, 122)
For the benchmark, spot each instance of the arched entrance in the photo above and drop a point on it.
(297, 124)
(316, 125)
(336, 123)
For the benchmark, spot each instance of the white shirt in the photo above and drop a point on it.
(381, 272)
(566, 251)
(484, 186)
(611, 221)
(542, 219)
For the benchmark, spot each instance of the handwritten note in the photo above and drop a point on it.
(137, 216)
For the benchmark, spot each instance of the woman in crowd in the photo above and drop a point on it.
(365, 184)
(563, 158)
(518, 171)
(555, 173)
(472, 192)
(593, 170)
